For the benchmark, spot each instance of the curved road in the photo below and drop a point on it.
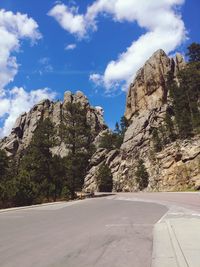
(111, 231)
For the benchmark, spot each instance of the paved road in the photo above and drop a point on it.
(93, 233)
(114, 231)
(188, 200)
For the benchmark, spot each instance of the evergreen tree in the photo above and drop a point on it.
(194, 53)
(26, 189)
(181, 107)
(104, 179)
(117, 128)
(37, 160)
(113, 140)
(124, 123)
(77, 136)
(58, 176)
(4, 164)
(107, 141)
(142, 176)
(186, 94)
(190, 87)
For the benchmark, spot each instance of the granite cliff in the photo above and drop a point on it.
(177, 166)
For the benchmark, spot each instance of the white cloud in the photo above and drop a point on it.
(70, 47)
(160, 18)
(69, 19)
(96, 78)
(13, 29)
(17, 101)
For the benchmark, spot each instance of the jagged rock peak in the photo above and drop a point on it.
(77, 97)
(148, 89)
(27, 123)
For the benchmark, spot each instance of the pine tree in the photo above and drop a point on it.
(77, 136)
(4, 164)
(107, 140)
(26, 189)
(186, 94)
(181, 107)
(194, 53)
(37, 159)
(58, 176)
(113, 140)
(190, 86)
(142, 176)
(124, 123)
(104, 179)
(190, 81)
(117, 128)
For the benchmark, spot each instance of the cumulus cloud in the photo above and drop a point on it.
(70, 47)
(13, 29)
(160, 18)
(69, 19)
(17, 101)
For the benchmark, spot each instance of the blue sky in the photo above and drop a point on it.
(99, 39)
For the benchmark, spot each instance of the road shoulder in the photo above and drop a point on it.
(176, 241)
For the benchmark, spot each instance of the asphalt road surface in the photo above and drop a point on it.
(98, 232)
(115, 231)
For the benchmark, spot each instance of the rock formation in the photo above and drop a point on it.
(27, 123)
(177, 166)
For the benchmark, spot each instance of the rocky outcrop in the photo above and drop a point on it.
(149, 90)
(177, 166)
(27, 123)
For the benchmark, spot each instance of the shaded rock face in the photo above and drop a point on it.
(177, 166)
(27, 123)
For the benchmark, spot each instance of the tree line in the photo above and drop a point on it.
(40, 175)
